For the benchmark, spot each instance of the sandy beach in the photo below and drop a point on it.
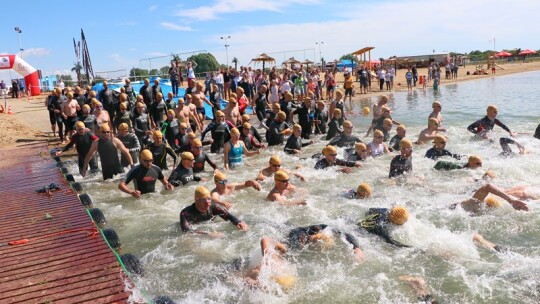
(30, 120)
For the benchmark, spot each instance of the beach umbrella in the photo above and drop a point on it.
(503, 54)
(307, 62)
(290, 61)
(263, 58)
(526, 52)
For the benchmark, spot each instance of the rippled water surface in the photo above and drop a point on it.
(192, 269)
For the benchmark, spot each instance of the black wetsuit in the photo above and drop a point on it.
(56, 104)
(253, 131)
(108, 154)
(537, 132)
(377, 222)
(400, 165)
(126, 117)
(130, 95)
(131, 142)
(146, 92)
(260, 106)
(274, 136)
(144, 178)
(250, 142)
(200, 159)
(190, 215)
(379, 122)
(157, 112)
(394, 143)
(221, 132)
(323, 117)
(106, 98)
(294, 143)
(486, 124)
(434, 154)
(141, 125)
(446, 165)
(81, 101)
(156, 88)
(301, 236)
(305, 119)
(355, 157)
(160, 155)
(171, 129)
(171, 105)
(344, 141)
(83, 143)
(182, 175)
(90, 122)
(505, 142)
(323, 163)
(334, 129)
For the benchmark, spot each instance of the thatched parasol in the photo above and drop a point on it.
(263, 58)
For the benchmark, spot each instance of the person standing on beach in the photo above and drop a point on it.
(415, 74)
(409, 78)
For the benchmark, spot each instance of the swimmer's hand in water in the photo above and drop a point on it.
(359, 255)
(346, 170)
(519, 205)
(243, 226)
(136, 193)
(253, 184)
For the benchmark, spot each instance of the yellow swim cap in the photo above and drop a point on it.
(492, 202)
(360, 146)
(80, 125)
(157, 134)
(219, 176)
(474, 160)
(492, 108)
(123, 106)
(275, 160)
(365, 111)
(245, 117)
(436, 104)
(197, 142)
(146, 154)
(329, 150)
(433, 121)
(388, 121)
(405, 143)
(123, 127)
(364, 189)
(276, 106)
(297, 127)
(104, 128)
(398, 215)
(489, 174)
(187, 156)
(246, 125)
(234, 131)
(286, 282)
(281, 175)
(220, 113)
(378, 133)
(232, 100)
(201, 192)
(439, 139)
(401, 127)
(87, 107)
(337, 112)
(281, 115)
(347, 124)
(170, 112)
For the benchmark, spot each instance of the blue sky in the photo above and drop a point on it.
(121, 33)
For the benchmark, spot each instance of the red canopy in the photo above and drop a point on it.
(503, 54)
(527, 52)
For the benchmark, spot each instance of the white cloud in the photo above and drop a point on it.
(176, 27)
(37, 52)
(152, 8)
(210, 12)
(425, 25)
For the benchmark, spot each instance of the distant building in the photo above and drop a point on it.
(422, 60)
(48, 83)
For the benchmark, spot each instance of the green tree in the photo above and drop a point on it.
(235, 61)
(77, 67)
(349, 57)
(206, 62)
(164, 71)
(153, 72)
(137, 74)
(68, 80)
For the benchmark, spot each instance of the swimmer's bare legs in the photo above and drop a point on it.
(486, 189)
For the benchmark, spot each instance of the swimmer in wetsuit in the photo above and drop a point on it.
(335, 127)
(363, 191)
(82, 140)
(183, 174)
(380, 220)
(361, 153)
(473, 162)
(475, 204)
(223, 187)
(402, 163)
(160, 150)
(401, 131)
(274, 165)
(107, 147)
(131, 142)
(330, 159)
(203, 210)
(201, 157)
(294, 143)
(482, 127)
(144, 176)
(220, 131)
(282, 188)
(345, 139)
(507, 151)
(438, 149)
(302, 236)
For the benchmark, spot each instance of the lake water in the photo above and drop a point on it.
(189, 268)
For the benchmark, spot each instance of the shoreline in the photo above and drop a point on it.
(30, 121)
